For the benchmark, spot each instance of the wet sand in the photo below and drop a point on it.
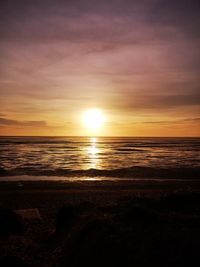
(47, 195)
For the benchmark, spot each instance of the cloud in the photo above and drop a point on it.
(9, 122)
(187, 120)
(102, 21)
(183, 15)
(177, 100)
(144, 101)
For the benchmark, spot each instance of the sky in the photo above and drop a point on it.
(138, 61)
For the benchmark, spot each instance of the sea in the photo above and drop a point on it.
(33, 158)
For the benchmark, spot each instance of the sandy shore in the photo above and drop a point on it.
(146, 216)
(49, 196)
(94, 189)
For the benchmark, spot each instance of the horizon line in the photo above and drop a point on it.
(87, 136)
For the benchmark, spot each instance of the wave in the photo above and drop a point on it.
(126, 141)
(131, 172)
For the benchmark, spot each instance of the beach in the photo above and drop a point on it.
(140, 219)
(79, 201)
(51, 195)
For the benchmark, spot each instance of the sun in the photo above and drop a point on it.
(93, 119)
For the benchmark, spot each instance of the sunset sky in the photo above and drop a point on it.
(137, 61)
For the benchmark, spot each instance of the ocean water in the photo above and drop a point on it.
(101, 156)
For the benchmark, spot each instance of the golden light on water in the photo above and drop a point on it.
(93, 140)
(93, 151)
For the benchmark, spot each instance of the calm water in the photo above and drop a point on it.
(83, 156)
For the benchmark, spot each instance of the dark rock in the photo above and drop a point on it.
(181, 201)
(92, 246)
(140, 215)
(65, 218)
(85, 206)
(12, 261)
(10, 223)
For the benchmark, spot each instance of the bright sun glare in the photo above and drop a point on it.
(93, 119)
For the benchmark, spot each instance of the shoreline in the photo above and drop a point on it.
(58, 178)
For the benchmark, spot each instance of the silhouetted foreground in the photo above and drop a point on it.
(137, 230)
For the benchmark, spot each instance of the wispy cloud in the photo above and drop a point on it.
(168, 122)
(156, 102)
(9, 122)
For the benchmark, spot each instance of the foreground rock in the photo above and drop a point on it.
(12, 261)
(10, 223)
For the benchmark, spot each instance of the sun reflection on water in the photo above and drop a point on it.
(93, 140)
(93, 152)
